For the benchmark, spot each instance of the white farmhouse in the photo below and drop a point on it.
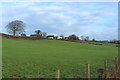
(50, 37)
(59, 37)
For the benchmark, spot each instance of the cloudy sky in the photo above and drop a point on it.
(94, 19)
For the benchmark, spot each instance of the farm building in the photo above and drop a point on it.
(35, 35)
(55, 37)
(51, 37)
(60, 37)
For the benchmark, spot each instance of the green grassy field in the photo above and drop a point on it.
(24, 58)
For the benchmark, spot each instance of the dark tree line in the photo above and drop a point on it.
(18, 27)
(39, 33)
(73, 37)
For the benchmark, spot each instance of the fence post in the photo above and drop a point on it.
(105, 69)
(38, 75)
(88, 71)
(58, 75)
(116, 64)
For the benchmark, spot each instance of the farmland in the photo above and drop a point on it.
(25, 58)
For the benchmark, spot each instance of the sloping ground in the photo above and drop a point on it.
(24, 58)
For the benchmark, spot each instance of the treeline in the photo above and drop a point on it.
(41, 38)
(19, 37)
(18, 27)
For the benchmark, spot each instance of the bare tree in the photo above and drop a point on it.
(82, 37)
(44, 34)
(16, 27)
(87, 38)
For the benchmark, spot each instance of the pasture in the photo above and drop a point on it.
(25, 58)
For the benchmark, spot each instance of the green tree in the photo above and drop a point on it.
(38, 32)
(73, 37)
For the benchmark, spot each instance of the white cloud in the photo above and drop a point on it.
(35, 8)
(60, 1)
(62, 18)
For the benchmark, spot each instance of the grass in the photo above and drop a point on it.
(24, 58)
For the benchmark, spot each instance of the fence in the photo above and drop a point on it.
(103, 73)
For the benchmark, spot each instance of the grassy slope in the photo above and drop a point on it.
(27, 57)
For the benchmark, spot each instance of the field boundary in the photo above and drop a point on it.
(38, 38)
(103, 73)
